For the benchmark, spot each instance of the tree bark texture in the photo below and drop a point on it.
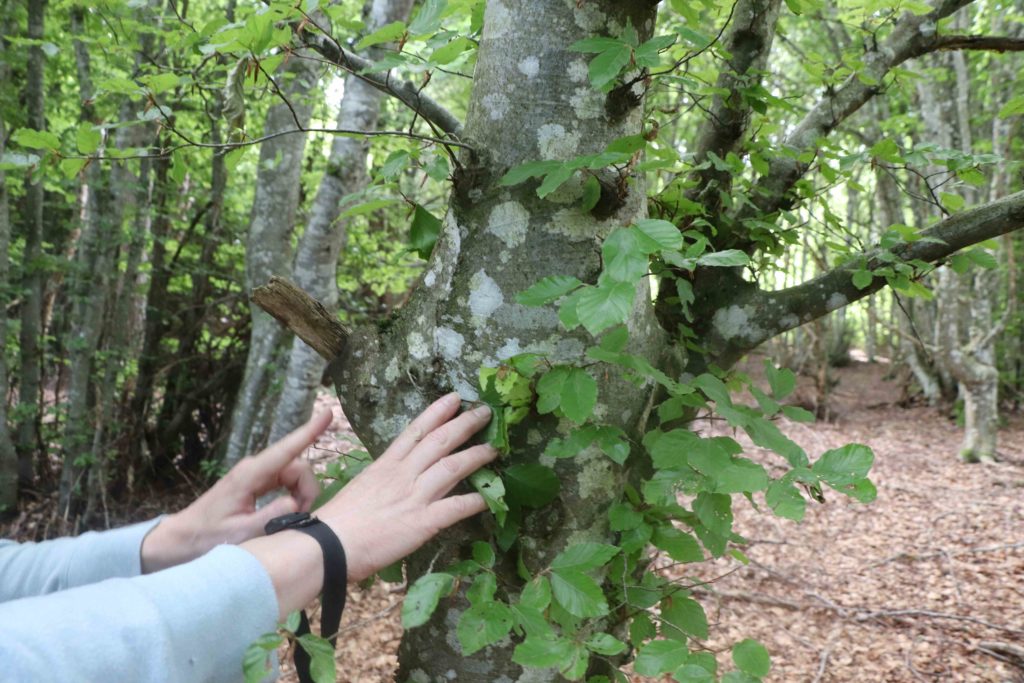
(316, 260)
(531, 100)
(8, 456)
(88, 290)
(268, 248)
(29, 442)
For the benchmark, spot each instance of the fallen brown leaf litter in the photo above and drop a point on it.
(924, 584)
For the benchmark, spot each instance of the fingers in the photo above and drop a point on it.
(282, 505)
(447, 511)
(440, 477)
(436, 414)
(447, 437)
(276, 456)
(297, 476)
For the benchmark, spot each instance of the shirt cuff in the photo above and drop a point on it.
(100, 555)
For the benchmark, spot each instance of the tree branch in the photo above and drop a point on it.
(913, 36)
(303, 315)
(749, 43)
(756, 315)
(404, 91)
(990, 43)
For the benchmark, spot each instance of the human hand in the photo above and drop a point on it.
(398, 502)
(227, 512)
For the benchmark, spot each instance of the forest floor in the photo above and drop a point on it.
(924, 584)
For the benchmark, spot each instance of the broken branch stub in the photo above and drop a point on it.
(302, 314)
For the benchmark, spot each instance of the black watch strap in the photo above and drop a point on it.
(335, 580)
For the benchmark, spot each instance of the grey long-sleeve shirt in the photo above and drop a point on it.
(77, 609)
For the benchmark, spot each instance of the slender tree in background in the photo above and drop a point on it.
(268, 246)
(8, 456)
(316, 260)
(30, 358)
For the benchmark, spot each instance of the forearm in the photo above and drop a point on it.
(294, 563)
(190, 623)
(30, 569)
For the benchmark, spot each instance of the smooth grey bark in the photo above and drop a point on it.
(523, 107)
(316, 260)
(29, 441)
(8, 456)
(268, 246)
(88, 292)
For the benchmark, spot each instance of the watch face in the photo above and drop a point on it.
(289, 521)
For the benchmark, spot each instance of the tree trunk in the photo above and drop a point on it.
(29, 440)
(316, 262)
(466, 316)
(88, 290)
(8, 456)
(268, 247)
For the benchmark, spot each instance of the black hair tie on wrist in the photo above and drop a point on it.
(335, 580)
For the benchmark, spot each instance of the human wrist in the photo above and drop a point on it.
(295, 565)
(169, 543)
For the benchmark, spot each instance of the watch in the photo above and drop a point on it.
(335, 580)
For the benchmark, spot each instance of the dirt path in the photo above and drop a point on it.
(909, 588)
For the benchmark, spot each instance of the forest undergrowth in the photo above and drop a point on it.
(924, 584)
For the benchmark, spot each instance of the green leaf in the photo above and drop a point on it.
(321, 655)
(548, 290)
(483, 553)
(36, 139)
(423, 232)
(781, 380)
(886, 150)
(577, 593)
(1013, 107)
(606, 305)
(686, 615)
(549, 389)
(584, 556)
(531, 484)
(531, 169)
(724, 258)
(256, 662)
(72, 167)
(670, 449)
(785, 500)
(680, 546)
(752, 658)
(797, 414)
(88, 139)
(482, 625)
(554, 180)
(490, 486)
(542, 653)
(606, 66)
(450, 52)
(536, 593)
(385, 34)
(428, 20)
(662, 234)
(767, 435)
(660, 657)
(623, 516)
(714, 511)
(591, 193)
(422, 598)
(843, 466)
(982, 258)
(579, 395)
(862, 278)
(605, 644)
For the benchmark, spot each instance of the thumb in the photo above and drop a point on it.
(282, 505)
